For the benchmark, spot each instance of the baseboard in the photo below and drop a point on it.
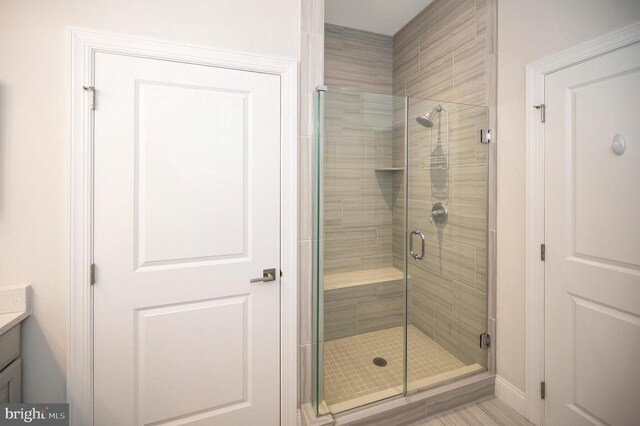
(511, 395)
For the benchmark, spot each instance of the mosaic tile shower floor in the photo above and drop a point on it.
(351, 378)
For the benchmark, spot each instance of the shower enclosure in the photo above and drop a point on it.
(400, 246)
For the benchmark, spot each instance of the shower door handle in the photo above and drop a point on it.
(413, 254)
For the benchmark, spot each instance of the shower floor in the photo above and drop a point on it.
(351, 379)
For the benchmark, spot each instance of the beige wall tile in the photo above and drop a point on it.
(470, 185)
(422, 315)
(481, 270)
(467, 225)
(433, 81)
(340, 321)
(458, 339)
(380, 314)
(470, 307)
(349, 295)
(455, 25)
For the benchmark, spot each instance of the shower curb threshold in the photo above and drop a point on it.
(403, 410)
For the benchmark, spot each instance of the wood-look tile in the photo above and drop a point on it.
(467, 224)
(491, 353)
(380, 314)
(458, 339)
(433, 288)
(459, 396)
(469, 65)
(377, 185)
(361, 278)
(403, 415)
(312, 16)
(384, 153)
(502, 413)
(432, 81)
(406, 48)
(470, 185)
(398, 246)
(450, 258)
(305, 187)
(311, 75)
(421, 314)
(382, 260)
(349, 295)
(445, 10)
(358, 60)
(491, 21)
(463, 144)
(454, 25)
(473, 415)
(350, 242)
(304, 391)
(332, 214)
(342, 264)
(385, 239)
(365, 213)
(492, 186)
(491, 274)
(340, 321)
(481, 17)
(481, 270)
(497, 411)
(470, 307)
(390, 289)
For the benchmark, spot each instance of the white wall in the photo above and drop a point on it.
(34, 135)
(528, 31)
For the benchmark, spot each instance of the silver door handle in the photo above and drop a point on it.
(267, 275)
(413, 254)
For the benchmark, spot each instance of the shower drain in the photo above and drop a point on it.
(380, 362)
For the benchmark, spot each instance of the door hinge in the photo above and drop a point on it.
(92, 96)
(542, 390)
(485, 136)
(543, 249)
(92, 274)
(485, 340)
(541, 107)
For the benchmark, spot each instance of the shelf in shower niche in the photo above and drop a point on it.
(389, 169)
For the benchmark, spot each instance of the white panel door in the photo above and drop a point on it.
(592, 236)
(187, 211)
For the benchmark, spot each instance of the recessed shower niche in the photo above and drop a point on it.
(400, 215)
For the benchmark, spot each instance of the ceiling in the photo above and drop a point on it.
(377, 16)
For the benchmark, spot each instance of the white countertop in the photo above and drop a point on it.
(15, 306)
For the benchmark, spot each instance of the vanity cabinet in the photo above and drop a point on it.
(10, 366)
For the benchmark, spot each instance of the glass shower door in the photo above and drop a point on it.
(399, 246)
(359, 284)
(447, 170)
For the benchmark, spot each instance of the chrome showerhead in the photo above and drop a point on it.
(427, 119)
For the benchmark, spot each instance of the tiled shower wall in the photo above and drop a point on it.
(357, 198)
(311, 76)
(444, 54)
(407, 62)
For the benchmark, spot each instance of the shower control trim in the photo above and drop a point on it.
(439, 214)
(422, 244)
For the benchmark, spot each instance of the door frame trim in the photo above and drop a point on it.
(84, 44)
(534, 196)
